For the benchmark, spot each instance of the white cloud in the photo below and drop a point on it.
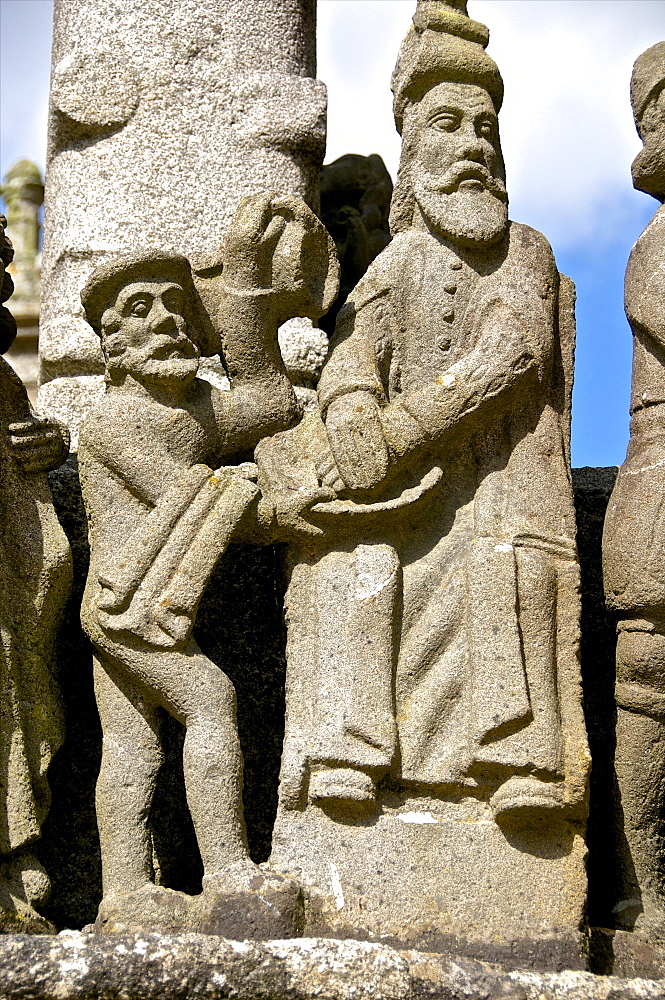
(566, 125)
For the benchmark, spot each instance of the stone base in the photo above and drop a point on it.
(267, 910)
(441, 877)
(156, 967)
(622, 953)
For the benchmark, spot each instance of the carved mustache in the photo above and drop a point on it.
(463, 171)
(175, 347)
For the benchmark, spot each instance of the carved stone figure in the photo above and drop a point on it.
(23, 192)
(162, 508)
(433, 783)
(355, 205)
(634, 539)
(35, 575)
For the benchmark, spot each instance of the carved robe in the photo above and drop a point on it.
(634, 562)
(474, 676)
(35, 576)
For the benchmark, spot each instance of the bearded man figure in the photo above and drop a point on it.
(633, 545)
(435, 755)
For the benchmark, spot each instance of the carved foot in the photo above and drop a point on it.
(527, 797)
(342, 786)
(23, 884)
(150, 908)
(250, 901)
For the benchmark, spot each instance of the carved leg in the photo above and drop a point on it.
(356, 596)
(239, 898)
(131, 757)
(212, 762)
(191, 688)
(640, 769)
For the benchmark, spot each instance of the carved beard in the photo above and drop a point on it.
(648, 167)
(469, 217)
(175, 362)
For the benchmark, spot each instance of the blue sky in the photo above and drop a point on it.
(567, 134)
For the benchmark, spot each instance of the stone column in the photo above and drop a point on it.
(164, 114)
(23, 192)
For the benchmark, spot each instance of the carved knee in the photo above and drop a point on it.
(640, 659)
(641, 656)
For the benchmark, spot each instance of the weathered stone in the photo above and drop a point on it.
(160, 519)
(355, 204)
(35, 575)
(23, 192)
(434, 774)
(163, 117)
(633, 547)
(149, 966)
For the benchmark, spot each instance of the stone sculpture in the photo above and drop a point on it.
(634, 536)
(23, 192)
(160, 518)
(434, 772)
(355, 205)
(35, 575)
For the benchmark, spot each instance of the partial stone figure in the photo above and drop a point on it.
(162, 117)
(23, 192)
(634, 539)
(35, 576)
(434, 774)
(162, 509)
(355, 206)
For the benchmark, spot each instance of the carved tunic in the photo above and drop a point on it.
(35, 575)
(633, 558)
(469, 373)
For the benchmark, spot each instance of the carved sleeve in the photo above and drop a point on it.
(261, 401)
(513, 341)
(362, 340)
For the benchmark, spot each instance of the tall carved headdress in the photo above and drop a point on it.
(443, 44)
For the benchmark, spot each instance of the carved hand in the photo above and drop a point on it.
(39, 444)
(277, 245)
(358, 446)
(292, 506)
(251, 242)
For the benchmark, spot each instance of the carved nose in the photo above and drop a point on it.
(471, 146)
(164, 321)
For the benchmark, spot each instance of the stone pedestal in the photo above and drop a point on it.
(440, 876)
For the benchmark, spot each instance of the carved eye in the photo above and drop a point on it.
(173, 300)
(141, 307)
(486, 128)
(445, 122)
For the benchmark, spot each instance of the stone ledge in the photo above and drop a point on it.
(80, 966)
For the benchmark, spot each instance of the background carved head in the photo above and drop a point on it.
(647, 96)
(7, 321)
